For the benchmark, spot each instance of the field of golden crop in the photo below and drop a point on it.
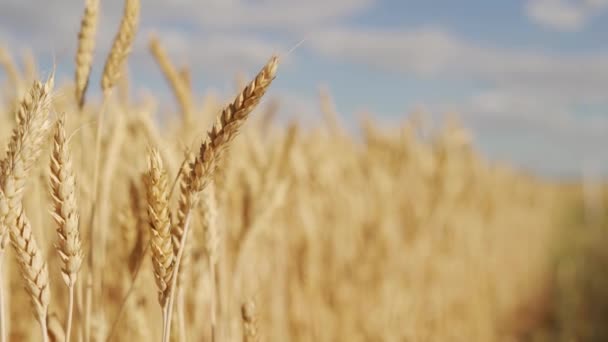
(220, 224)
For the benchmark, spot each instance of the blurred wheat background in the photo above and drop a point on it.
(222, 220)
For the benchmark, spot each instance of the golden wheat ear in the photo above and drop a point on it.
(228, 124)
(65, 211)
(24, 149)
(33, 267)
(122, 45)
(179, 85)
(86, 47)
(158, 216)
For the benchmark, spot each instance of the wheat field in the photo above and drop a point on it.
(219, 223)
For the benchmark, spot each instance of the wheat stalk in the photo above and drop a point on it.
(210, 229)
(177, 229)
(4, 210)
(86, 46)
(183, 207)
(185, 74)
(65, 214)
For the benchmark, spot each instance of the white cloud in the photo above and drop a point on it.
(26, 16)
(563, 15)
(281, 14)
(439, 55)
(217, 53)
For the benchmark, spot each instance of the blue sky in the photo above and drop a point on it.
(528, 77)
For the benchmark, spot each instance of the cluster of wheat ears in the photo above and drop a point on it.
(291, 234)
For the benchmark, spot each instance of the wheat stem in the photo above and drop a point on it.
(44, 330)
(68, 321)
(88, 306)
(2, 318)
(213, 306)
(181, 314)
(91, 259)
(178, 259)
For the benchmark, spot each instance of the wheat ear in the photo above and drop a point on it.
(158, 215)
(65, 211)
(33, 268)
(24, 149)
(86, 46)
(226, 128)
(65, 214)
(122, 45)
(228, 125)
(178, 84)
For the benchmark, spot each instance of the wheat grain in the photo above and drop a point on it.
(249, 317)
